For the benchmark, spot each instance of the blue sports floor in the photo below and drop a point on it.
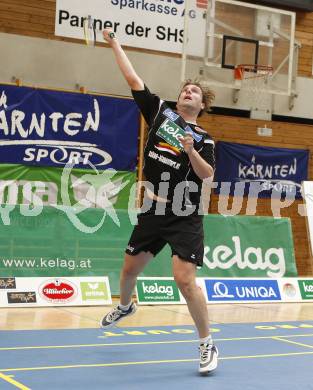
(275, 356)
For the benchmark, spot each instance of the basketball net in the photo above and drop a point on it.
(254, 81)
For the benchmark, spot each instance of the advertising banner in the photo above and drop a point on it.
(63, 241)
(240, 246)
(146, 24)
(231, 290)
(306, 289)
(52, 128)
(153, 291)
(248, 246)
(260, 171)
(45, 186)
(158, 290)
(70, 291)
(66, 241)
(289, 289)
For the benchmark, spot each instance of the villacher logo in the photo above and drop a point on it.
(58, 291)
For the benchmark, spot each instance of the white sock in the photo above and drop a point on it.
(126, 307)
(206, 340)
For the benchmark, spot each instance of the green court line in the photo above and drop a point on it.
(7, 378)
(150, 362)
(144, 343)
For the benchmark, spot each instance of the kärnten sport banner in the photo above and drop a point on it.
(51, 128)
(260, 171)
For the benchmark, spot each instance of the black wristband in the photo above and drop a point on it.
(111, 35)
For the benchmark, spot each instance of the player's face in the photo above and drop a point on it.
(190, 97)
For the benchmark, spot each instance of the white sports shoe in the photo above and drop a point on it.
(208, 358)
(116, 315)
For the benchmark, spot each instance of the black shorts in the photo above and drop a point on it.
(184, 234)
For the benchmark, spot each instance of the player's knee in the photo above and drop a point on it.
(130, 271)
(186, 287)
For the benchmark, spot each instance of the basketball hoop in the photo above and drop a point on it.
(254, 81)
(252, 71)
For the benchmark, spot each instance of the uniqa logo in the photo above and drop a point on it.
(222, 291)
(159, 289)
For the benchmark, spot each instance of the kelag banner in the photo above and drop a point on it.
(54, 243)
(47, 186)
(260, 171)
(52, 128)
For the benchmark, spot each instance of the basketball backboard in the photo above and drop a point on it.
(241, 33)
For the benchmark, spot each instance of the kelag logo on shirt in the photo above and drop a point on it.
(170, 132)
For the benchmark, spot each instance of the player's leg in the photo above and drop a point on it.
(185, 276)
(143, 244)
(132, 267)
(185, 236)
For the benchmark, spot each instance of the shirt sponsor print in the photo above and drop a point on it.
(171, 132)
(170, 114)
(164, 160)
(165, 147)
(194, 135)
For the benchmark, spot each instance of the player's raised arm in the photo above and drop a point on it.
(129, 73)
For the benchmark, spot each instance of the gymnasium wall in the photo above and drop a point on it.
(29, 48)
(35, 18)
(30, 51)
(288, 135)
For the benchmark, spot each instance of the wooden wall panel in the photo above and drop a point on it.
(289, 135)
(304, 34)
(36, 18)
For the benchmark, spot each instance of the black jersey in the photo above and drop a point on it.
(165, 161)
